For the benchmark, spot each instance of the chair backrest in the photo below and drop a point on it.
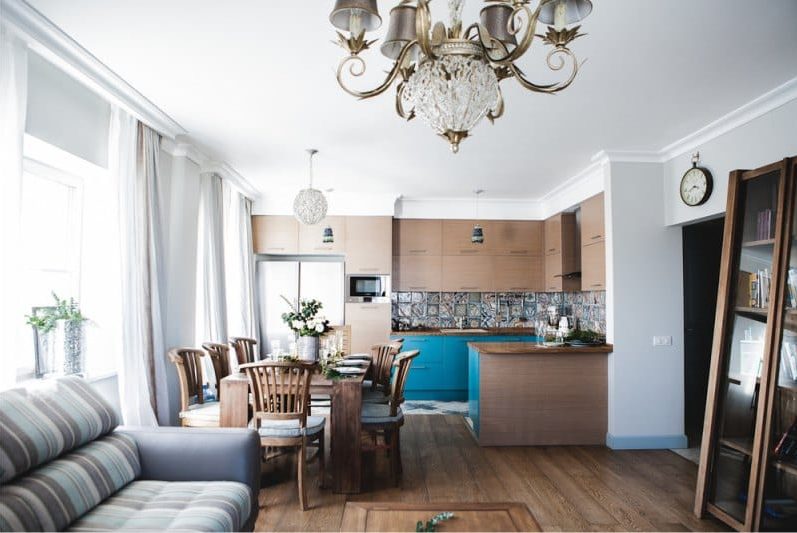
(346, 332)
(280, 390)
(220, 357)
(403, 362)
(244, 349)
(188, 362)
(383, 355)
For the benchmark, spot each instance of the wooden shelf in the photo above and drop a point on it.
(741, 445)
(756, 244)
(785, 466)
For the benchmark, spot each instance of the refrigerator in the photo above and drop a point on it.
(294, 278)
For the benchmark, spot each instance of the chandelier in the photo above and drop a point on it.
(449, 76)
(310, 206)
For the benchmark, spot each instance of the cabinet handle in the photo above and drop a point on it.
(417, 288)
(368, 307)
(468, 288)
(276, 248)
(420, 367)
(469, 251)
(369, 269)
(518, 251)
(417, 251)
(551, 249)
(418, 340)
(595, 237)
(552, 288)
(322, 248)
(597, 285)
(517, 288)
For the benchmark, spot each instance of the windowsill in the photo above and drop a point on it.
(91, 378)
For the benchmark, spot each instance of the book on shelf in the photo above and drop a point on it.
(786, 448)
(791, 283)
(788, 358)
(753, 289)
(764, 225)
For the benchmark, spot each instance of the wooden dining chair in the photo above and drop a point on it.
(220, 358)
(281, 394)
(245, 350)
(385, 420)
(194, 410)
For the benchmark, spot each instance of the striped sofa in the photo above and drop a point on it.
(64, 465)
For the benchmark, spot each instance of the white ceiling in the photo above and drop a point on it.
(253, 82)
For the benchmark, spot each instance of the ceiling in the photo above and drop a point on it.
(253, 82)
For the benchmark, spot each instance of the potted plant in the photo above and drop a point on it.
(308, 324)
(59, 337)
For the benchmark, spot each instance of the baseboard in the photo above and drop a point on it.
(645, 442)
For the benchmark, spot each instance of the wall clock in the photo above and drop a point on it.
(696, 184)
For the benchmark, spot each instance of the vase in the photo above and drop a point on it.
(69, 337)
(307, 348)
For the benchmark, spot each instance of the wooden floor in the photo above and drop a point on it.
(566, 488)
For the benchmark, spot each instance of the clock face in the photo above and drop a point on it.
(695, 186)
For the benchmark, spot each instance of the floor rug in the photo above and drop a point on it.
(432, 407)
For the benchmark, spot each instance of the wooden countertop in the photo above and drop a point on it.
(530, 348)
(489, 332)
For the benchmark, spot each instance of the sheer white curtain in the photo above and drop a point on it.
(13, 106)
(133, 159)
(239, 263)
(211, 314)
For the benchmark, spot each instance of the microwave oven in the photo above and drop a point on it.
(368, 288)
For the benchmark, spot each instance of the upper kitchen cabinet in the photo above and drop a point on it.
(311, 238)
(417, 237)
(562, 253)
(457, 237)
(517, 237)
(514, 274)
(274, 234)
(417, 273)
(369, 245)
(552, 231)
(592, 226)
(468, 274)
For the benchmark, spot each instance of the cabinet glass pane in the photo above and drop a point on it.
(779, 511)
(744, 348)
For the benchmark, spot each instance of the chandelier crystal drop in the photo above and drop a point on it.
(310, 205)
(450, 75)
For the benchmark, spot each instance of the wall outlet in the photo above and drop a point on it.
(665, 340)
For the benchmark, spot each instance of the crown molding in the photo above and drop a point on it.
(232, 176)
(182, 148)
(627, 156)
(48, 40)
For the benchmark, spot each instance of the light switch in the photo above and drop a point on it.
(662, 341)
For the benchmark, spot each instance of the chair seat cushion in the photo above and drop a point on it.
(377, 413)
(159, 505)
(376, 396)
(202, 412)
(290, 428)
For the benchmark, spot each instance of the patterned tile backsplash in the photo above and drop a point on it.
(491, 309)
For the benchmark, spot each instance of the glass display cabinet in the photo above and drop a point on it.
(748, 461)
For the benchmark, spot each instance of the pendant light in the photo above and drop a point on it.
(329, 237)
(477, 236)
(310, 206)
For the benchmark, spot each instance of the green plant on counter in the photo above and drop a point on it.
(431, 525)
(45, 318)
(586, 336)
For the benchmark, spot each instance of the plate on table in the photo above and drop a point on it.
(361, 356)
(349, 370)
(354, 362)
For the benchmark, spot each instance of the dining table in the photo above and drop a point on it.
(345, 392)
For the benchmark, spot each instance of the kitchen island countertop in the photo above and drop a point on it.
(526, 348)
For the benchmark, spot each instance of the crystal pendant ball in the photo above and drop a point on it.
(310, 206)
(452, 93)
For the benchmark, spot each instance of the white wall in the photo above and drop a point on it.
(766, 139)
(644, 299)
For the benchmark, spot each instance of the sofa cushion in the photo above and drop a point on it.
(159, 505)
(56, 494)
(51, 418)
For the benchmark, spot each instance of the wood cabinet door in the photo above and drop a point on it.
(593, 267)
(553, 235)
(512, 273)
(553, 272)
(311, 238)
(370, 324)
(275, 234)
(457, 234)
(417, 237)
(369, 248)
(417, 273)
(468, 273)
(518, 237)
(592, 220)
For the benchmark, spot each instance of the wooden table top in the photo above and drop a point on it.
(397, 516)
(531, 348)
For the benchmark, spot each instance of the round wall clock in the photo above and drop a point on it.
(696, 184)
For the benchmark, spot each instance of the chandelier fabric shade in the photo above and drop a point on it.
(355, 15)
(568, 11)
(400, 31)
(497, 18)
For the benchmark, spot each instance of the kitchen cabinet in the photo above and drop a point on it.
(417, 237)
(517, 237)
(468, 273)
(311, 238)
(552, 229)
(562, 253)
(369, 248)
(417, 273)
(370, 324)
(457, 235)
(275, 234)
(593, 267)
(592, 220)
(518, 273)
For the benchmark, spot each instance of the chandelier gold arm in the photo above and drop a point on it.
(423, 23)
(558, 52)
(399, 106)
(357, 68)
(499, 109)
(515, 24)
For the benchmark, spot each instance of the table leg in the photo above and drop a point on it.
(345, 436)
(234, 404)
